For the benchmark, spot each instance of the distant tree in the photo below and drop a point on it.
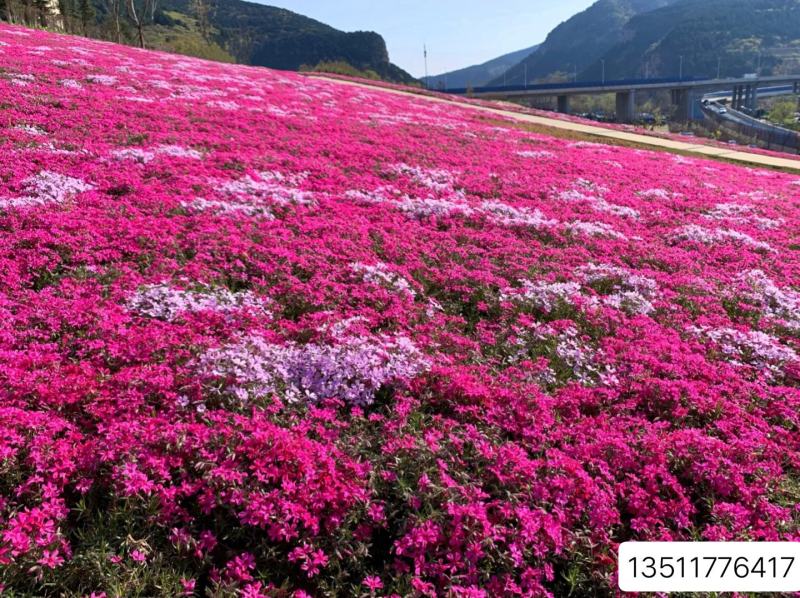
(340, 67)
(86, 14)
(114, 10)
(42, 12)
(783, 113)
(141, 12)
(203, 12)
(13, 10)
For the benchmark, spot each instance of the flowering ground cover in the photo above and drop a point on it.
(269, 335)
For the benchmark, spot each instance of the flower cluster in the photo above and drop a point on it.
(166, 302)
(353, 370)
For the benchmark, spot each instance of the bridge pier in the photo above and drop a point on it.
(684, 99)
(752, 97)
(626, 106)
(563, 104)
(738, 97)
(745, 96)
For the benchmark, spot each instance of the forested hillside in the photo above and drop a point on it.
(226, 30)
(734, 36)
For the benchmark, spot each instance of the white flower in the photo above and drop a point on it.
(694, 232)
(381, 275)
(167, 303)
(543, 295)
(536, 154)
(595, 229)
(507, 215)
(107, 80)
(45, 188)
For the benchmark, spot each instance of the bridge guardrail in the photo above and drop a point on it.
(571, 85)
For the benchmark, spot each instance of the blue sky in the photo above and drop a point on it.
(458, 33)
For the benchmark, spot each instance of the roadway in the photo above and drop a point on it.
(773, 135)
(763, 92)
(611, 135)
(622, 85)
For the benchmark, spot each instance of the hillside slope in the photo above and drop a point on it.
(278, 38)
(231, 31)
(479, 74)
(579, 41)
(267, 335)
(736, 36)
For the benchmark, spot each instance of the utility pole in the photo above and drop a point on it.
(758, 66)
(526, 75)
(425, 56)
(680, 72)
(603, 62)
(719, 66)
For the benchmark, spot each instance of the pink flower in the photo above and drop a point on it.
(188, 586)
(373, 583)
(238, 568)
(51, 559)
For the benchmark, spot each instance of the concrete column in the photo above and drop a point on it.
(738, 97)
(683, 98)
(751, 100)
(563, 104)
(626, 106)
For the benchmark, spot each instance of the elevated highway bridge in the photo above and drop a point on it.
(685, 92)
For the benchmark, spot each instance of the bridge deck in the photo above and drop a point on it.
(597, 87)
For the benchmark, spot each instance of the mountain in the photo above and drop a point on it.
(478, 74)
(736, 36)
(225, 30)
(262, 35)
(580, 41)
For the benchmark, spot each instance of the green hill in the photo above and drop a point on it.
(736, 36)
(479, 74)
(227, 30)
(274, 37)
(581, 40)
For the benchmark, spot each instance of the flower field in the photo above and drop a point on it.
(268, 335)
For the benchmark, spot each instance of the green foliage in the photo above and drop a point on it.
(86, 13)
(784, 113)
(646, 38)
(736, 36)
(578, 42)
(105, 535)
(340, 67)
(277, 38)
(226, 31)
(183, 34)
